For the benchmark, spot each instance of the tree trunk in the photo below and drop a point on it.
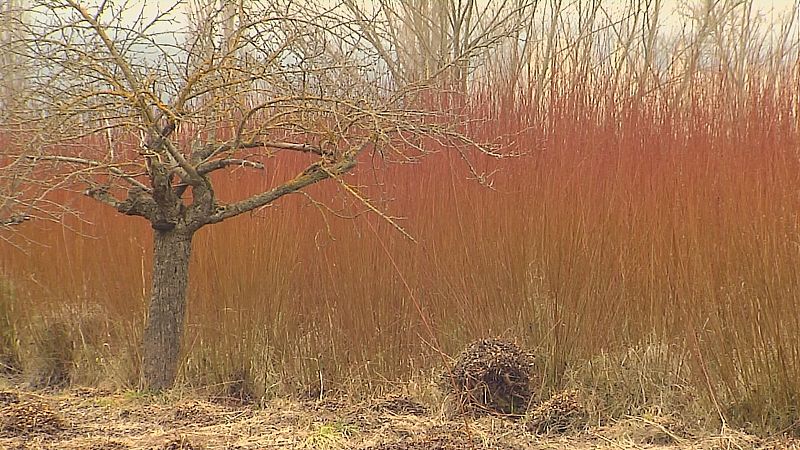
(164, 327)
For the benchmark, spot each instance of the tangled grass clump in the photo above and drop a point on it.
(492, 375)
(562, 413)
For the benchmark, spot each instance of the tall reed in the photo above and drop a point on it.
(662, 218)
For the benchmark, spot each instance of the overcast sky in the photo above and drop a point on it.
(766, 9)
(669, 5)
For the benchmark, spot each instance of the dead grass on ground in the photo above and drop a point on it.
(85, 419)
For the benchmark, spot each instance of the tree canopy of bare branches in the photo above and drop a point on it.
(136, 107)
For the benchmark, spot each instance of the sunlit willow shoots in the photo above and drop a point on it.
(140, 107)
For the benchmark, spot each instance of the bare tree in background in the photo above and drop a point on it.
(13, 206)
(444, 39)
(138, 110)
(10, 17)
(12, 197)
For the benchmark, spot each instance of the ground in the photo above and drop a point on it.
(91, 419)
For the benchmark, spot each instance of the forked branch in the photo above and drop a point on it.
(313, 174)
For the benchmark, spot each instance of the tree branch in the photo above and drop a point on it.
(313, 174)
(213, 149)
(305, 148)
(91, 163)
(138, 203)
(211, 166)
(100, 193)
(161, 142)
(14, 219)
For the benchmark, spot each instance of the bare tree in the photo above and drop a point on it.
(10, 185)
(10, 21)
(445, 39)
(140, 110)
(15, 199)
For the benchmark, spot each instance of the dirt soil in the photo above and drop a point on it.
(95, 420)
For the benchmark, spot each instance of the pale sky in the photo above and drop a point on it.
(669, 5)
(765, 9)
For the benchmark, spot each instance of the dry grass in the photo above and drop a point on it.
(92, 419)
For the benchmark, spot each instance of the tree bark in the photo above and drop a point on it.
(164, 326)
